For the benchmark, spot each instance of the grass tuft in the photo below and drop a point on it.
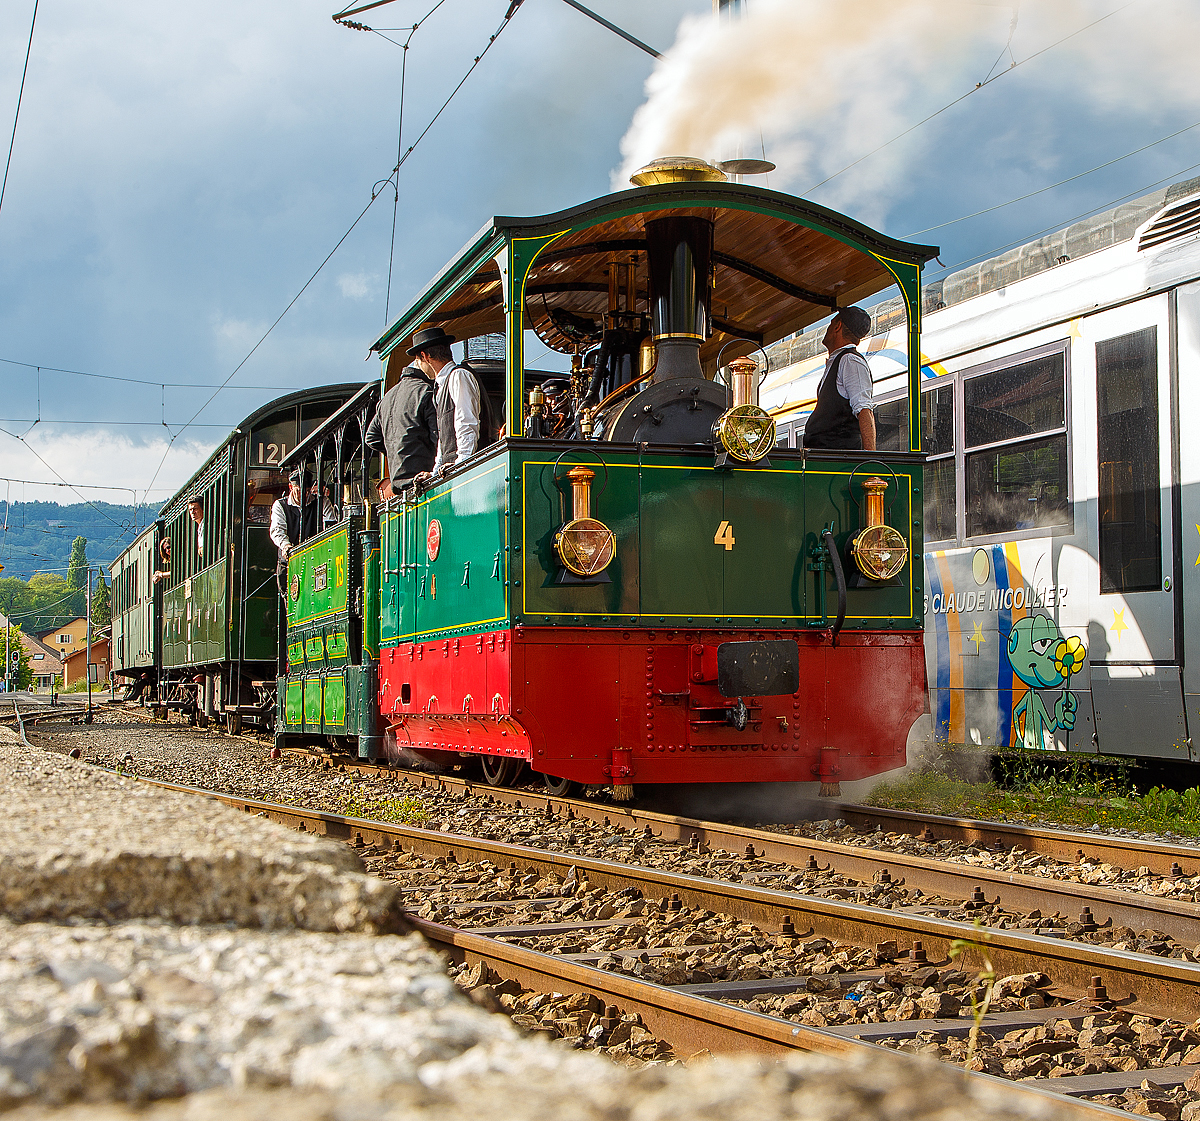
(1075, 799)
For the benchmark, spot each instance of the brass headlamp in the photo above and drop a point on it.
(584, 545)
(745, 431)
(879, 550)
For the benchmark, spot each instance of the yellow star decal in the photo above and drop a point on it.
(1119, 625)
(977, 637)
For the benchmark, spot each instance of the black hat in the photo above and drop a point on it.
(427, 337)
(301, 478)
(554, 385)
(856, 320)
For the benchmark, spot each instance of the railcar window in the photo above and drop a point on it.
(941, 472)
(937, 419)
(1127, 449)
(1016, 417)
(891, 425)
(1016, 401)
(1018, 486)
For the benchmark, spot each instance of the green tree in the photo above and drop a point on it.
(50, 603)
(24, 675)
(15, 597)
(77, 569)
(101, 603)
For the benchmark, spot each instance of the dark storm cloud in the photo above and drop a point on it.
(181, 170)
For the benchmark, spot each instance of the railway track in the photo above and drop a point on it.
(1122, 852)
(1069, 907)
(1084, 905)
(1084, 980)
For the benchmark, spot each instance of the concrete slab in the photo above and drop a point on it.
(191, 973)
(79, 843)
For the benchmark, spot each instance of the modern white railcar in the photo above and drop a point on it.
(1061, 399)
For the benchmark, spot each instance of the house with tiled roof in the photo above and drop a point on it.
(44, 662)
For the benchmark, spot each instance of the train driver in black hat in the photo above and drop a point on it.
(457, 397)
(844, 417)
(558, 406)
(405, 426)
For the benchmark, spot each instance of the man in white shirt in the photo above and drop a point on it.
(844, 416)
(196, 510)
(458, 398)
(288, 527)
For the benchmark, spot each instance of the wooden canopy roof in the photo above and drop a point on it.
(780, 264)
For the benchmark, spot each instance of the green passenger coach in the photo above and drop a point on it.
(196, 615)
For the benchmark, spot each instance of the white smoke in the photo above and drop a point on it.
(824, 83)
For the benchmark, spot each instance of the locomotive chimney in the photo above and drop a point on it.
(680, 259)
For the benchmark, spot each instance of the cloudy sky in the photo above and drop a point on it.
(179, 171)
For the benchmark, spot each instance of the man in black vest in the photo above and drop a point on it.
(288, 526)
(405, 426)
(462, 407)
(843, 417)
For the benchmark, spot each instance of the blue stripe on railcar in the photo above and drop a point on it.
(942, 645)
(1004, 674)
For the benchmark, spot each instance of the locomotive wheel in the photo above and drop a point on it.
(498, 772)
(559, 787)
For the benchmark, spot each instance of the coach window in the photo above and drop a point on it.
(1015, 443)
(1127, 450)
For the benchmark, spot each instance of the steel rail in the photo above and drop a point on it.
(1104, 848)
(1017, 891)
(21, 724)
(1162, 987)
(689, 1022)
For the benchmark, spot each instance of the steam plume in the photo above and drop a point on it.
(826, 82)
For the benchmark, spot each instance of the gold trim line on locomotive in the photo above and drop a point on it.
(585, 546)
(879, 550)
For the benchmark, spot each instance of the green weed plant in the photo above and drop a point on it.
(985, 983)
(400, 811)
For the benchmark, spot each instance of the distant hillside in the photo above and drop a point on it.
(37, 536)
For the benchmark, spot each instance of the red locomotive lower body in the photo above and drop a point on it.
(619, 707)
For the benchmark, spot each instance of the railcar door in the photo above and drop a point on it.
(1129, 470)
(1187, 380)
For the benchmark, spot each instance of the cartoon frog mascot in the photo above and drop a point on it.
(1042, 658)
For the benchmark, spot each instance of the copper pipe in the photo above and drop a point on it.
(581, 491)
(874, 488)
(743, 371)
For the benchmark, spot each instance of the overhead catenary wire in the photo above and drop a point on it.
(140, 381)
(20, 98)
(974, 89)
(1052, 186)
(109, 423)
(49, 467)
(1090, 212)
(387, 302)
(353, 225)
